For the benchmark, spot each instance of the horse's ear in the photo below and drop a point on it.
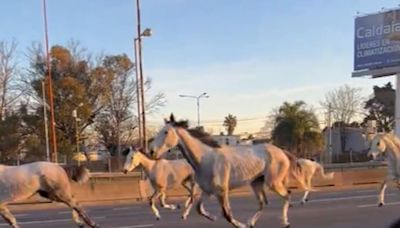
(172, 118)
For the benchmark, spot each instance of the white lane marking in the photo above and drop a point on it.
(136, 226)
(344, 198)
(123, 208)
(47, 221)
(367, 191)
(64, 212)
(21, 215)
(376, 205)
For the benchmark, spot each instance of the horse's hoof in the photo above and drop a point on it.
(289, 191)
(287, 226)
(306, 200)
(302, 203)
(290, 205)
(178, 206)
(158, 218)
(380, 204)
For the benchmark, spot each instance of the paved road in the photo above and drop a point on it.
(345, 208)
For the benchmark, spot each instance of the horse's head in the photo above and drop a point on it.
(131, 160)
(166, 139)
(377, 146)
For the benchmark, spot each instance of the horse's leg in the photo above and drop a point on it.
(309, 185)
(264, 194)
(381, 197)
(282, 191)
(70, 201)
(305, 199)
(163, 203)
(64, 197)
(258, 189)
(223, 200)
(190, 199)
(201, 210)
(77, 219)
(6, 214)
(153, 206)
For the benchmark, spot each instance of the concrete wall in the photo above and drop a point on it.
(116, 186)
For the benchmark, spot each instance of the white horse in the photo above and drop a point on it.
(221, 168)
(387, 143)
(163, 174)
(307, 171)
(47, 179)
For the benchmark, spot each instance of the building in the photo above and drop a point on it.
(229, 140)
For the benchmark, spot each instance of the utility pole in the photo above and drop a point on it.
(330, 133)
(50, 88)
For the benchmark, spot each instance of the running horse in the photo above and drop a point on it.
(47, 179)
(163, 174)
(221, 168)
(389, 144)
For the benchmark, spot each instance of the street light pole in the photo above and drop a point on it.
(46, 131)
(203, 95)
(147, 32)
(138, 93)
(75, 115)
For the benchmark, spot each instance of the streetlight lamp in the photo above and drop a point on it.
(203, 95)
(75, 115)
(139, 87)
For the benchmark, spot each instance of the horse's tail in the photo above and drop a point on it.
(79, 174)
(296, 171)
(321, 172)
(298, 174)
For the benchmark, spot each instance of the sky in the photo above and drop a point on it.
(249, 55)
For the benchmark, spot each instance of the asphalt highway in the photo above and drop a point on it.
(327, 208)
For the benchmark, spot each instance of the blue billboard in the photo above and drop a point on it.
(377, 41)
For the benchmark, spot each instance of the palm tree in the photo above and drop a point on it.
(297, 129)
(230, 123)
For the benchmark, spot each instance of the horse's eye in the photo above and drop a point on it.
(165, 132)
(378, 143)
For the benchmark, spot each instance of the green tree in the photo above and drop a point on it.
(380, 107)
(296, 129)
(230, 123)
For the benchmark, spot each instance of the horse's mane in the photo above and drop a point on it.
(293, 161)
(197, 133)
(204, 137)
(76, 173)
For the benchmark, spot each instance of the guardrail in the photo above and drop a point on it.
(358, 165)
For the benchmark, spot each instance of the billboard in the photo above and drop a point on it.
(377, 41)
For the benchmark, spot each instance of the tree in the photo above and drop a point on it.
(296, 128)
(381, 107)
(230, 123)
(343, 104)
(9, 91)
(117, 122)
(77, 84)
